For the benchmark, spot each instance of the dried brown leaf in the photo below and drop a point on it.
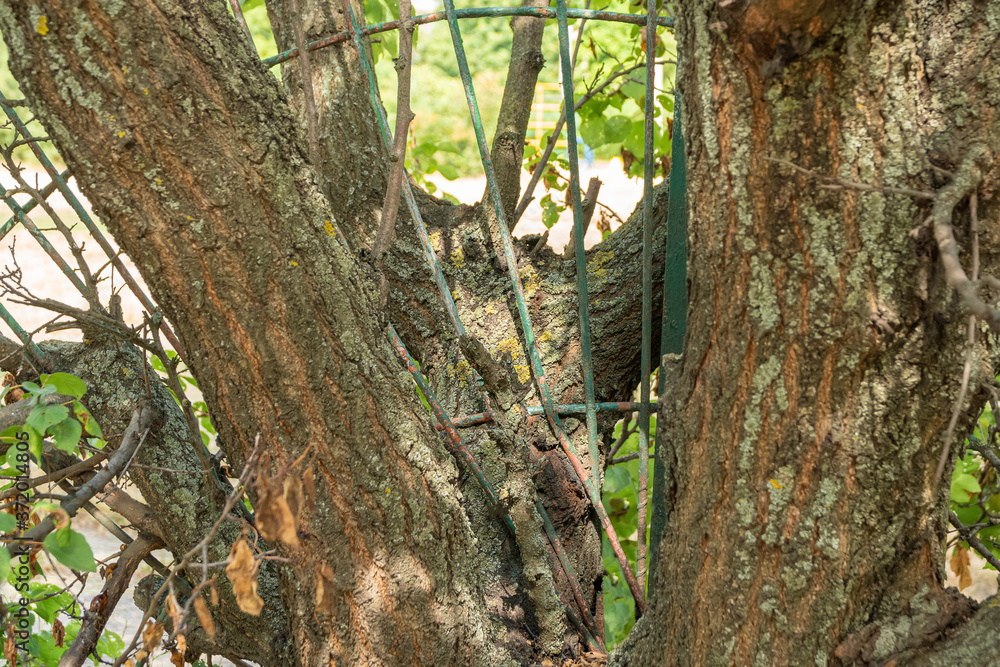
(274, 518)
(242, 571)
(204, 616)
(174, 610)
(213, 594)
(177, 658)
(294, 498)
(324, 587)
(152, 635)
(961, 566)
(58, 632)
(603, 224)
(309, 484)
(10, 650)
(14, 395)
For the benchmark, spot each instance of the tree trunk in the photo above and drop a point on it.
(192, 160)
(187, 150)
(801, 431)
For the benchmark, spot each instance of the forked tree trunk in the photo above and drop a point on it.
(802, 429)
(187, 150)
(193, 161)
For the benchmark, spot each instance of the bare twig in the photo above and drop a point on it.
(970, 344)
(140, 515)
(404, 116)
(965, 181)
(307, 85)
(589, 204)
(542, 240)
(59, 475)
(196, 550)
(94, 620)
(88, 279)
(627, 430)
(833, 183)
(969, 535)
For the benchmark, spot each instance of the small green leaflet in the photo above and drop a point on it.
(66, 435)
(65, 383)
(90, 424)
(44, 416)
(4, 564)
(963, 487)
(71, 549)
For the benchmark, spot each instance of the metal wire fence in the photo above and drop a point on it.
(674, 305)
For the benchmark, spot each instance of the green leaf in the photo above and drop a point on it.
(4, 564)
(251, 4)
(71, 549)
(7, 524)
(592, 131)
(616, 479)
(90, 424)
(11, 434)
(550, 211)
(65, 383)
(448, 171)
(616, 129)
(66, 435)
(635, 90)
(964, 487)
(44, 416)
(110, 645)
(968, 515)
(206, 425)
(50, 601)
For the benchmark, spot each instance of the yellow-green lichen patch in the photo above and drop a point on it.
(523, 373)
(460, 372)
(458, 258)
(532, 281)
(596, 265)
(508, 345)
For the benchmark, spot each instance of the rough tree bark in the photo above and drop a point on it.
(192, 160)
(188, 151)
(802, 428)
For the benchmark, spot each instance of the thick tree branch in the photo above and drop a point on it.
(94, 620)
(526, 61)
(143, 419)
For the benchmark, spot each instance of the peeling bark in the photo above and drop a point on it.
(803, 425)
